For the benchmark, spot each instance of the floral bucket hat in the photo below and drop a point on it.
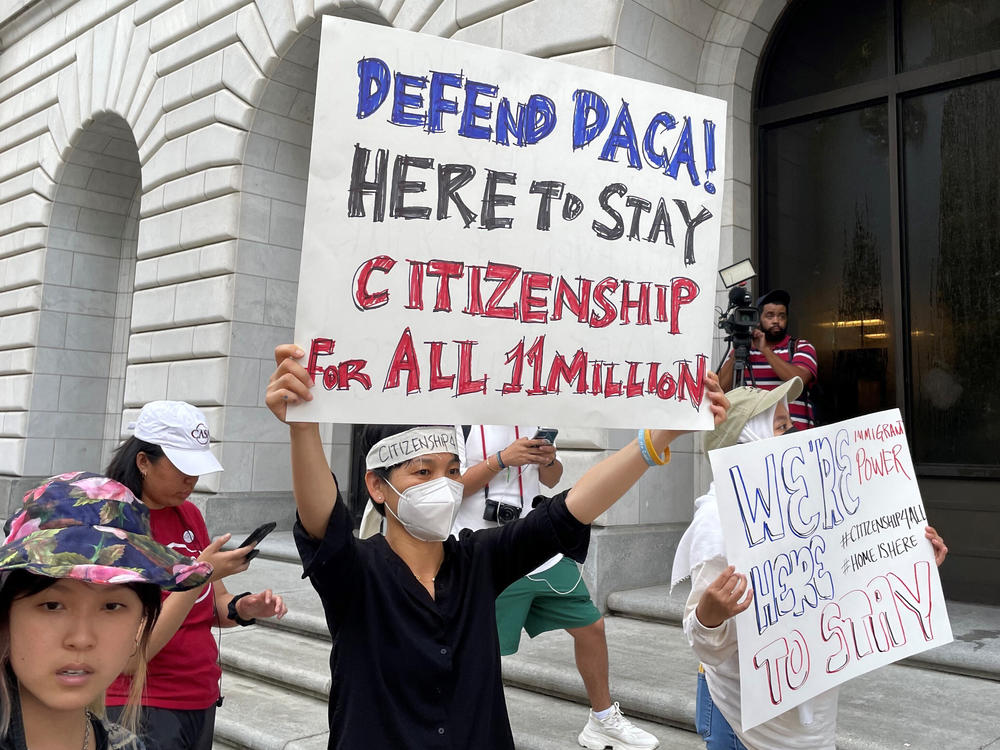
(91, 528)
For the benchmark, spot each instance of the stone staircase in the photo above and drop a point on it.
(277, 677)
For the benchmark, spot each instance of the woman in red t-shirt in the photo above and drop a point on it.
(161, 463)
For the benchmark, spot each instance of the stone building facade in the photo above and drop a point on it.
(153, 163)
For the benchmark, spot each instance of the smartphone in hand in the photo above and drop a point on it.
(256, 536)
(546, 433)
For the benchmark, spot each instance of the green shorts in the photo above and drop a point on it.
(533, 603)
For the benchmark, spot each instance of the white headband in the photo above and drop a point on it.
(420, 441)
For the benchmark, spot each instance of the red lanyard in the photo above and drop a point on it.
(517, 435)
(520, 484)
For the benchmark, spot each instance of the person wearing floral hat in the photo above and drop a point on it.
(161, 463)
(80, 581)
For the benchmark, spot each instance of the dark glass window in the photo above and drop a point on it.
(935, 31)
(826, 182)
(826, 45)
(879, 211)
(952, 214)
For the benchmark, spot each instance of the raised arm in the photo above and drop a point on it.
(313, 484)
(606, 482)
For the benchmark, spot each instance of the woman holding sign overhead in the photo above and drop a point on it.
(412, 611)
(718, 593)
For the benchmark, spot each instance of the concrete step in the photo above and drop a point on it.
(276, 673)
(260, 716)
(976, 627)
(654, 674)
(543, 722)
(652, 670)
(265, 669)
(287, 662)
(278, 545)
(304, 630)
(653, 603)
(294, 663)
(305, 613)
(264, 666)
(290, 661)
(538, 722)
(284, 666)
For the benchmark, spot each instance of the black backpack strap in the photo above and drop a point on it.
(805, 397)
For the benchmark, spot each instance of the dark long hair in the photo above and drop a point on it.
(21, 583)
(122, 467)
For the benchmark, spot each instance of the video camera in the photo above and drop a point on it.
(739, 319)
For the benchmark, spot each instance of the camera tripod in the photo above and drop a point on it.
(741, 361)
(739, 320)
(739, 343)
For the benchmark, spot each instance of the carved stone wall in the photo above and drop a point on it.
(153, 162)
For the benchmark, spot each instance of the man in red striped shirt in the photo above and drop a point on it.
(776, 357)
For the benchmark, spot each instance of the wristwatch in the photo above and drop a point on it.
(234, 615)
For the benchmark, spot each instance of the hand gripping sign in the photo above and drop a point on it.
(828, 525)
(489, 234)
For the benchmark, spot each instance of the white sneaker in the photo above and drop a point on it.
(615, 732)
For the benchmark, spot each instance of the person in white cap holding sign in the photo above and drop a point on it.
(161, 463)
(415, 661)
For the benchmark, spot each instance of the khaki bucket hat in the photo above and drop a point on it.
(745, 403)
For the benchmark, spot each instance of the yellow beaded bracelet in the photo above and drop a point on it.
(647, 437)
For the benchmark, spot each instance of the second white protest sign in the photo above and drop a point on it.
(828, 525)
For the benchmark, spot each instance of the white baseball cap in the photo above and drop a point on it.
(182, 432)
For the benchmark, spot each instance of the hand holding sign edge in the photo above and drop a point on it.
(718, 405)
(940, 548)
(289, 383)
(725, 597)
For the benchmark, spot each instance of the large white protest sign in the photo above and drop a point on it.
(490, 236)
(829, 526)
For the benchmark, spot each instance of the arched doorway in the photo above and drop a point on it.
(273, 199)
(77, 391)
(877, 206)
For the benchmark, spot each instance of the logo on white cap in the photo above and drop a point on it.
(180, 430)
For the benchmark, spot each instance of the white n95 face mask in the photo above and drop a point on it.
(428, 510)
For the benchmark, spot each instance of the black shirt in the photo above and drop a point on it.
(409, 671)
